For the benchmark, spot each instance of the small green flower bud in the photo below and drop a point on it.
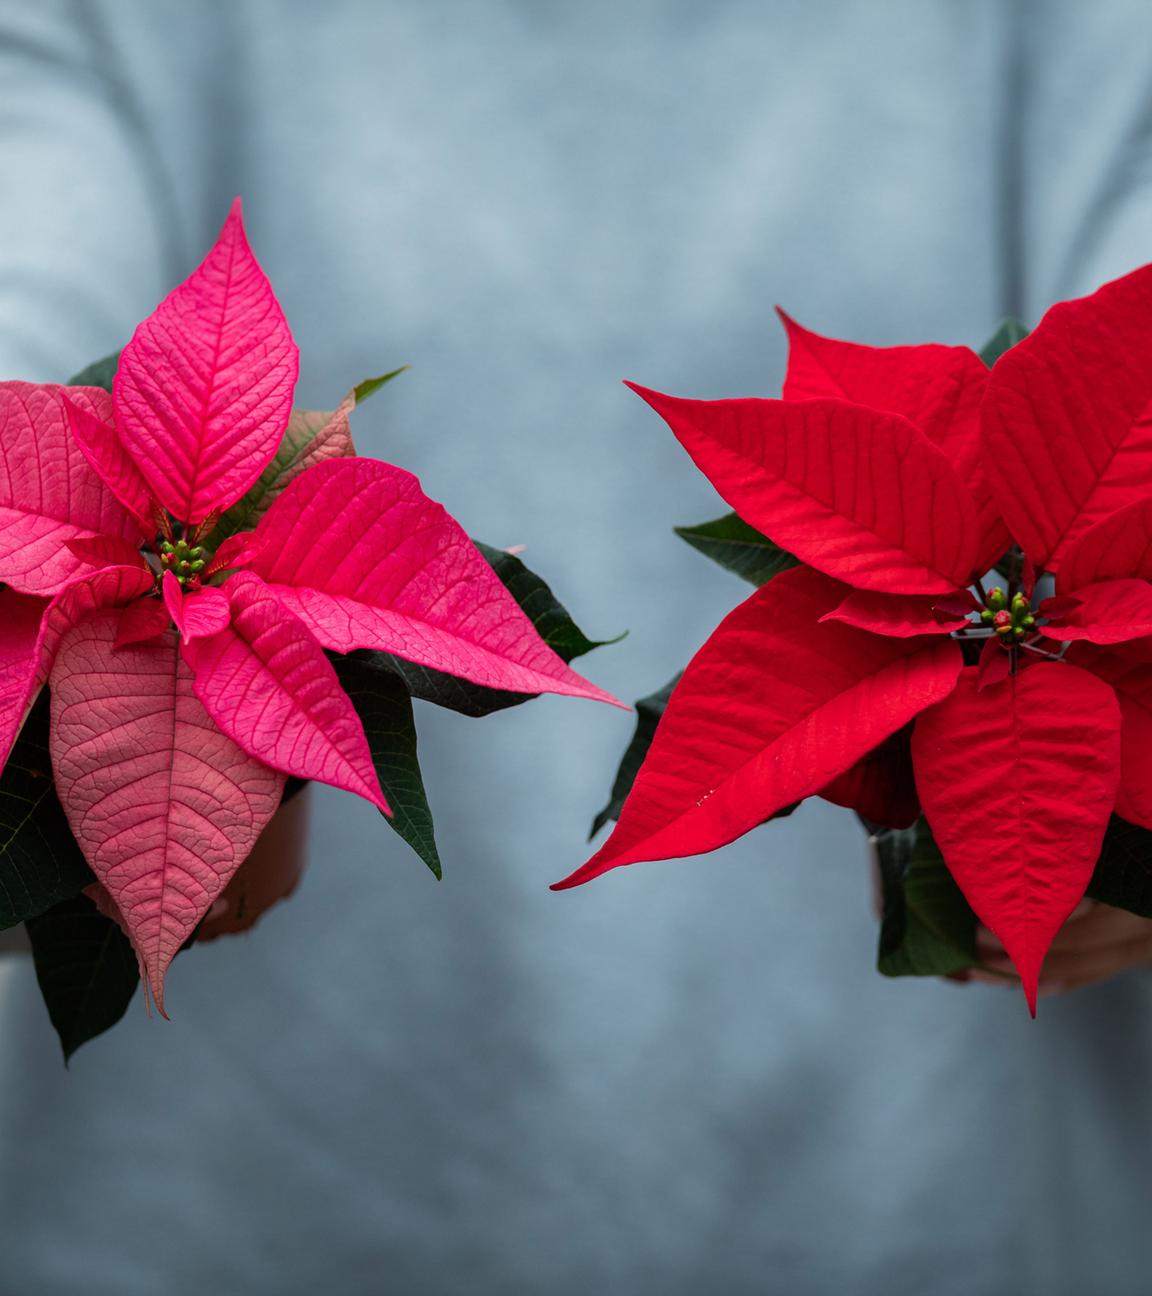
(1019, 632)
(996, 598)
(198, 565)
(1029, 620)
(987, 614)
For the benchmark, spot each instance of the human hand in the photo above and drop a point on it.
(1096, 943)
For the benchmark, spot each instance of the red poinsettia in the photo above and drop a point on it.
(170, 751)
(898, 476)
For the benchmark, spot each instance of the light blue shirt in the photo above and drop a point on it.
(685, 1077)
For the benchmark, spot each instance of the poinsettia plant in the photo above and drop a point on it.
(951, 631)
(206, 594)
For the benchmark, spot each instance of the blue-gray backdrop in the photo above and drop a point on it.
(685, 1078)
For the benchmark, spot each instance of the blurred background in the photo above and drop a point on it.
(685, 1077)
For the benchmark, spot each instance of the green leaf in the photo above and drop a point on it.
(370, 386)
(1005, 337)
(648, 712)
(86, 968)
(310, 437)
(385, 709)
(738, 548)
(928, 928)
(1123, 876)
(40, 862)
(98, 374)
(551, 619)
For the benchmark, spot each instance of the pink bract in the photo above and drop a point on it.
(187, 681)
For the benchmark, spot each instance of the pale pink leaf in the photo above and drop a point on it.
(164, 805)
(49, 493)
(204, 388)
(268, 685)
(312, 436)
(31, 629)
(366, 560)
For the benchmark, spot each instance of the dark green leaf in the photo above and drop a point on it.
(370, 386)
(440, 689)
(86, 968)
(552, 621)
(385, 709)
(738, 548)
(98, 374)
(40, 862)
(648, 712)
(1005, 337)
(928, 928)
(1123, 875)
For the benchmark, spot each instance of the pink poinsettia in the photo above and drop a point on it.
(188, 674)
(897, 477)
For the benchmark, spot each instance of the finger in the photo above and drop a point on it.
(1095, 927)
(987, 942)
(1082, 967)
(1104, 926)
(1046, 989)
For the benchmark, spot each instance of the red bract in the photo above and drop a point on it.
(900, 475)
(170, 746)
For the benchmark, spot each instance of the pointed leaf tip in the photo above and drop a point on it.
(379, 565)
(937, 388)
(729, 753)
(1005, 749)
(860, 494)
(204, 389)
(163, 804)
